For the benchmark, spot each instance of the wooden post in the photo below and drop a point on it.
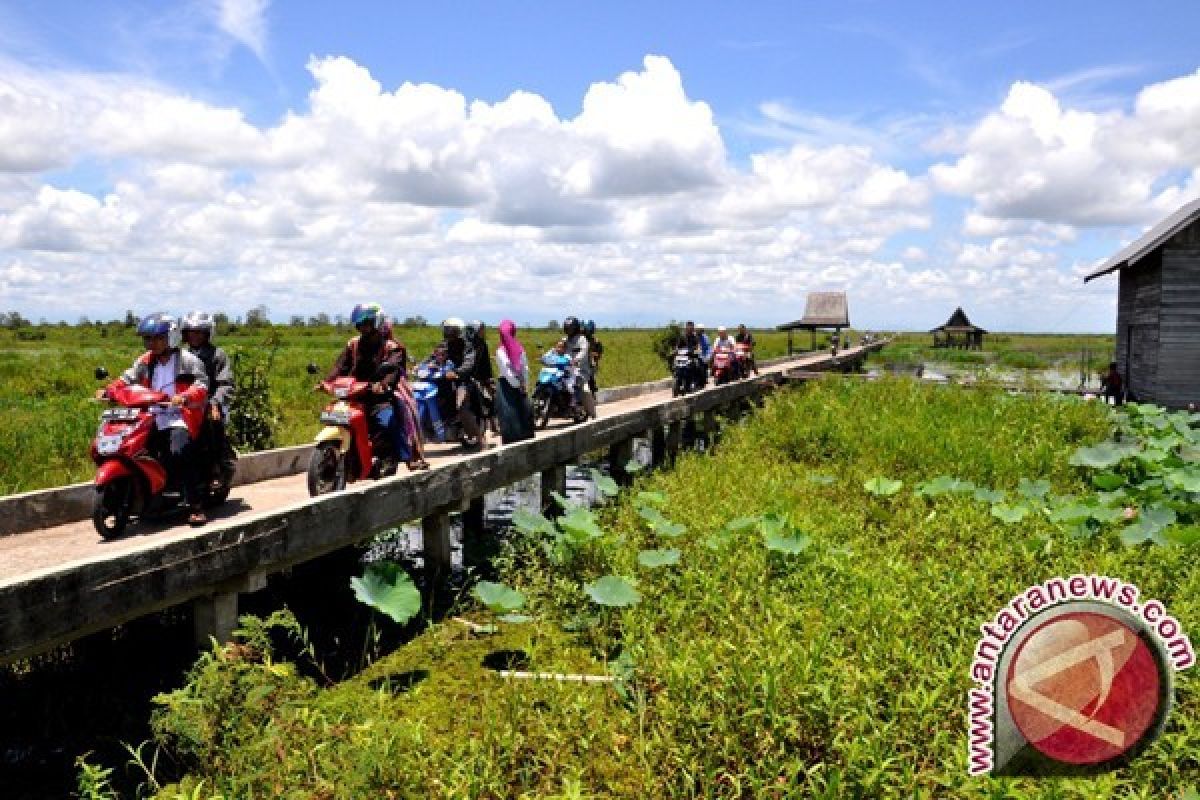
(789, 341)
(553, 480)
(658, 446)
(435, 545)
(674, 439)
(472, 519)
(619, 454)
(214, 616)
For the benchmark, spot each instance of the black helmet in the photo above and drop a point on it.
(589, 327)
(571, 326)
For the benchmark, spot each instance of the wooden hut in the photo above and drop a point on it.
(958, 332)
(1158, 310)
(824, 310)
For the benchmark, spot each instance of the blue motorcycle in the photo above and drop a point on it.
(553, 395)
(429, 413)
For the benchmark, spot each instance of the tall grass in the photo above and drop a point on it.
(839, 672)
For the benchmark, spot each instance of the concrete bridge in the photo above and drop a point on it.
(59, 581)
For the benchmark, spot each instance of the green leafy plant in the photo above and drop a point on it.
(497, 597)
(614, 591)
(388, 589)
(653, 559)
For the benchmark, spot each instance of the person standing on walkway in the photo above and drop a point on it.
(513, 411)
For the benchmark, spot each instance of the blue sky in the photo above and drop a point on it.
(628, 162)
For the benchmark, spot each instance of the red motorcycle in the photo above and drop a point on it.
(723, 366)
(131, 479)
(346, 450)
(742, 356)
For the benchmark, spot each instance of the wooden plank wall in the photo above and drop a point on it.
(1179, 325)
(1138, 308)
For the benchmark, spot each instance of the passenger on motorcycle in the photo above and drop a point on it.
(484, 374)
(198, 332)
(181, 376)
(371, 358)
(463, 378)
(580, 352)
(595, 350)
(747, 338)
(408, 403)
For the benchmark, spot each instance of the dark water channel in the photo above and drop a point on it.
(95, 694)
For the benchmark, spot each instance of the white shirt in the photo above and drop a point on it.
(163, 377)
(517, 375)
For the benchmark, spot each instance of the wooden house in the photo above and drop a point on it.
(824, 310)
(958, 332)
(1158, 310)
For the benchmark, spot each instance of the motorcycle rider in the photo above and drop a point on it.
(180, 375)
(690, 340)
(406, 402)
(466, 394)
(595, 349)
(705, 353)
(484, 375)
(724, 342)
(747, 338)
(198, 330)
(579, 350)
(374, 359)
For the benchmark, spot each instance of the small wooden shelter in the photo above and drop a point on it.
(1158, 310)
(958, 332)
(825, 310)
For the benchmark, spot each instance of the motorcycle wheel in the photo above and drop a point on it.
(326, 472)
(111, 505)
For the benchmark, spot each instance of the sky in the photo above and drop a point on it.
(626, 162)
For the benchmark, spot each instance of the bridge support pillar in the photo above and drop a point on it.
(214, 616)
(435, 543)
(620, 454)
(674, 439)
(472, 519)
(658, 446)
(553, 480)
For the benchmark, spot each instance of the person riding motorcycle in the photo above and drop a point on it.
(484, 374)
(198, 331)
(180, 375)
(579, 349)
(723, 342)
(747, 338)
(463, 377)
(407, 402)
(374, 359)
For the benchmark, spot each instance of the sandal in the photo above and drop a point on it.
(420, 463)
(197, 518)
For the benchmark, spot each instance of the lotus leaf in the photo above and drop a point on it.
(883, 487)
(388, 589)
(653, 559)
(612, 590)
(498, 597)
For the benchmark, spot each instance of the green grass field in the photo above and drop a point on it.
(47, 419)
(825, 657)
(1026, 351)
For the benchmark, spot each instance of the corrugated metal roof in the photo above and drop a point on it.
(1150, 241)
(823, 310)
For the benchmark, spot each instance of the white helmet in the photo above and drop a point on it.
(200, 321)
(454, 324)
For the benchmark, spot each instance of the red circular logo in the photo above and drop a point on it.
(1084, 688)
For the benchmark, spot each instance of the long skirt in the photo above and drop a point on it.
(410, 416)
(514, 413)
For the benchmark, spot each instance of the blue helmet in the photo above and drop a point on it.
(366, 312)
(160, 324)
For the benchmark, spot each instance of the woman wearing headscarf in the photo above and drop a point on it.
(405, 401)
(512, 389)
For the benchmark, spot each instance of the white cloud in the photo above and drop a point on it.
(1033, 159)
(245, 21)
